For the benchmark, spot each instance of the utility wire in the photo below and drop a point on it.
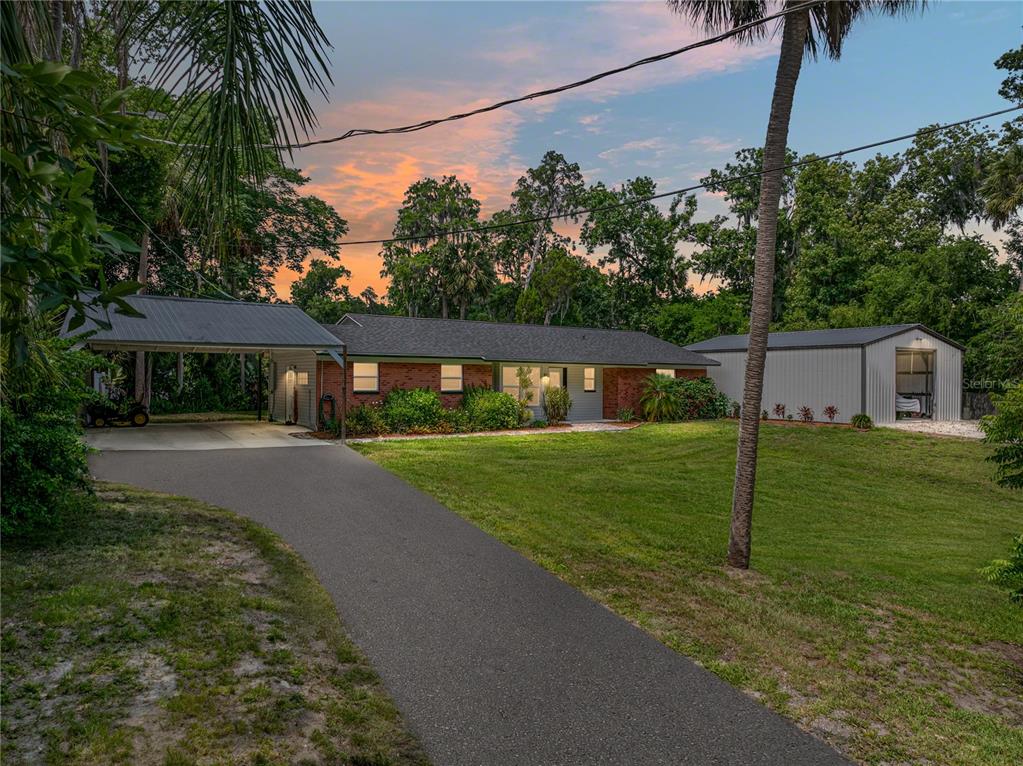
(734, 32)
(575, 213)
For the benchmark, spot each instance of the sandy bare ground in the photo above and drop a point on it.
(966, 429)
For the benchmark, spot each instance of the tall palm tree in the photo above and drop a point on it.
(817, 26)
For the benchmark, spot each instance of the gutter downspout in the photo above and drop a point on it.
(342, 360)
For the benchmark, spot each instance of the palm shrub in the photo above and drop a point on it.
(492, 410)
(1008, 573)
(660, 400)
(556, 405)
(412, 409)
(1004, 430)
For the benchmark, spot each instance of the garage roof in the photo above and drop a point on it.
(170, 323)
(386, 335)
(844, 336)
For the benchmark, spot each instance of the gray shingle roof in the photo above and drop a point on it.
(384, 335)
(845, 336)
(171, 321)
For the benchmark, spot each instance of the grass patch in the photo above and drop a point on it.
(864, 619)
(205, 417)
(163, 631)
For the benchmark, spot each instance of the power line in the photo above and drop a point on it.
(734, 32)
(575, 213)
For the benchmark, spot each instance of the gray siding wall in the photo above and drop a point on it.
(796, 377)
(586, 405)
(880, 377)
(280, 401)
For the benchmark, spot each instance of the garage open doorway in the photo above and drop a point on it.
(914, 383)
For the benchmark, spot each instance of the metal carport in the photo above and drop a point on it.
(173, 324)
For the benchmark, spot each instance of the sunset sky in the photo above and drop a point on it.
(397, 63)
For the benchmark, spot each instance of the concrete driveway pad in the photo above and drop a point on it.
(199, 436)
(492, 660)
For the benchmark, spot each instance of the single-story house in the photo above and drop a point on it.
(603, 370)
(876, 370)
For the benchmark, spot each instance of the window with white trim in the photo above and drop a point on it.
(365, 377)
(451, 378)
(669, 373)
(589, 379)
(510, 383)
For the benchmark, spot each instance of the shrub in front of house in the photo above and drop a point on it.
(779, 411)
(831, 412)
(806, 414)
(862, 421)
(363, 420)
(625, 414)
(667, 398)
(556, 405)
(492, 410)
(408, 410)
(455, 421)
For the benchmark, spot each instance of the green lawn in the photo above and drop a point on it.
(864, 619)
(160, 631)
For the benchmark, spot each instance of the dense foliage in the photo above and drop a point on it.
(1008, 573)
(1005, 431)
(42, 458)
(492, 410)
(666, 398)
(412, 409)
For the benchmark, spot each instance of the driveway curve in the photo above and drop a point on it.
(491, 659)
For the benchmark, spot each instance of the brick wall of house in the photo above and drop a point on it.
(400, 375)
(623, 386)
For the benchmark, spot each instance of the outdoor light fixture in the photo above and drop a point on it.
(545, 381)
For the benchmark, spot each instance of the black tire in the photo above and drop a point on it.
(139, 419)
(99, 422)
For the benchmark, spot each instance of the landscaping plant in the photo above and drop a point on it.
(806, 414)
(492, 411)
(779, 411)
(625, 414)
(416, 410)
(362, 420)
(831, 412)
(862, 421)
(1008, 573)
(660, 399)
(556, 405)
(1004, 430)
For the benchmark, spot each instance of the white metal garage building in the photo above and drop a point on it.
(857, 369)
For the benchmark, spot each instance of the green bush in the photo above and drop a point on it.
(455, 421)
(42, 458)
(492, 410)
(44, 467)
(666, 398)
(363, 420)
(539, 423)
(1005, 431)
(412, 409)
(556, 405)
(625, 414)
(862, 421)
(1008, 573)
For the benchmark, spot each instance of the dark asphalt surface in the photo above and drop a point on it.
(491, 659)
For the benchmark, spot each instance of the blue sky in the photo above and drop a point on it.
(395, 63)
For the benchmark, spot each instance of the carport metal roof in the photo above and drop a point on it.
(170, 323)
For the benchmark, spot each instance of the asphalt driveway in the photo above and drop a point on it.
(491, 659)
(199, 436)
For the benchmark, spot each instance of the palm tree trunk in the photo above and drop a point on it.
(789, 61)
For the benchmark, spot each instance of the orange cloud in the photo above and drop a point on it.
(365, 178)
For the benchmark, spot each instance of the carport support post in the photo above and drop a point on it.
(344, 392)
(259, 386)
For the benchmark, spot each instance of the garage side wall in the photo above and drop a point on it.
(814, 377)
(880, 377)
(281, 400)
